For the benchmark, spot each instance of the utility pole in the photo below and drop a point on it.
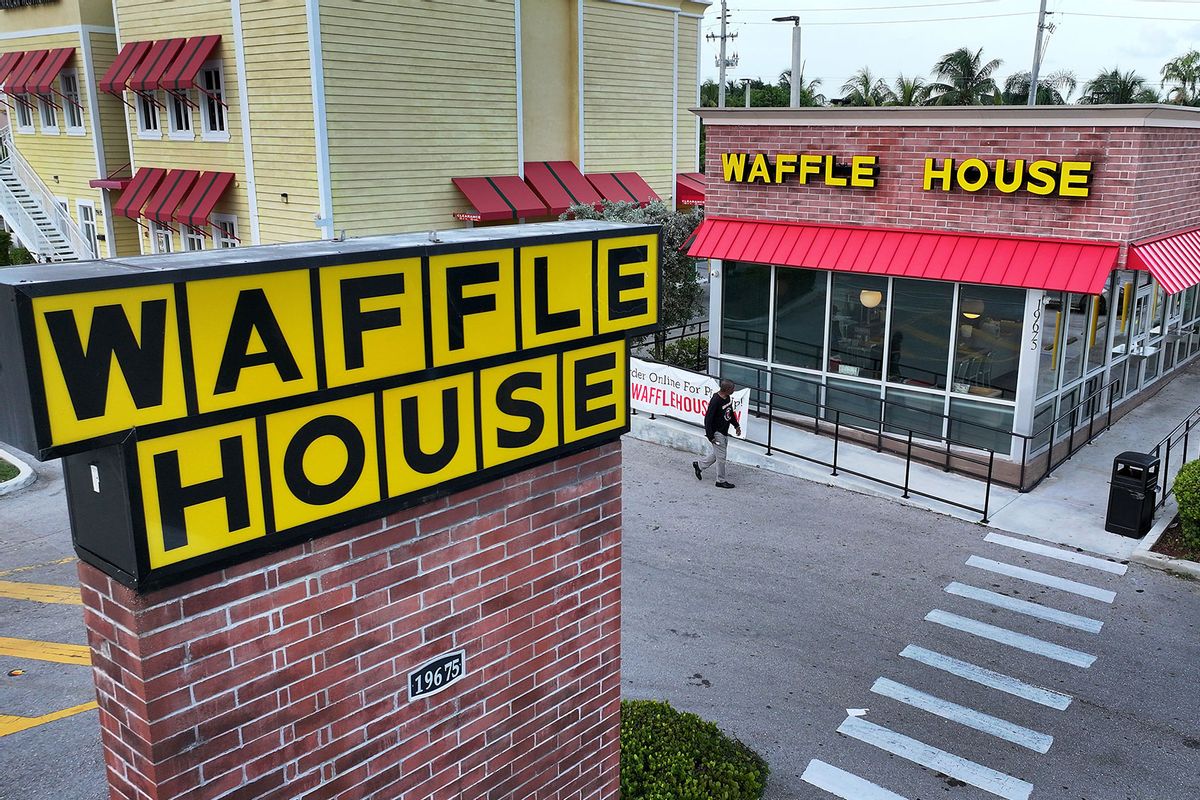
(1037, 56)
(722, 60)
(797, 65)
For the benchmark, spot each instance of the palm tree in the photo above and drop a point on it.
(1184, 72)
(809, 96)
(1054, 89)
(710, 91)
(1114, 86)
(865, 89)
(964, 79)
(910, 91)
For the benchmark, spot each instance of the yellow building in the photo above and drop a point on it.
(285, 120)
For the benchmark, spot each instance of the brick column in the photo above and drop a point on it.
(286, 677)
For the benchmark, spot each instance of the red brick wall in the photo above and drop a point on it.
(286, 677)
(1143, 179)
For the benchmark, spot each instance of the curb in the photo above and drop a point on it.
(25, 474)
(1143, 556)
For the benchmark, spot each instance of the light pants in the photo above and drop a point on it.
(718, 445)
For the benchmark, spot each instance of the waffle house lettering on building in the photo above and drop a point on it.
(804, 168)
(1039, 177)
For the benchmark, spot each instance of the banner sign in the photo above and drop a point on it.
(666, 391)
(259, 396)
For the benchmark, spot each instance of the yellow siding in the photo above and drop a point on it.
(629, 91)
(416, 94)
(275, 33)
(115, 139)
(146, 20)
(549, 70)
(689, 123)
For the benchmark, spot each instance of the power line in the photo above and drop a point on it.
(910, 21)
(877, 8)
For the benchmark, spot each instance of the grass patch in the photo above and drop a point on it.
(7, 471)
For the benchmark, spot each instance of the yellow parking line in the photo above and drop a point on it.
(46, 651)
(15, 570)
(41, 592)
(10, 724)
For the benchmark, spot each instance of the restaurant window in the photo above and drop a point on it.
(983, 425)
(1052, 323)
(72, 110)
(192, 239)
(24, 113)
(919, 341)
(147, 114)
(160, 238)
(1076, 336)
(179, 117)
(853, 403)
(858, 304)
(987, 350)
(1123, 313)
(224, 231)
(921, 413)
(212, 107)
(798, 394)
(800, 317)
(1100, 316)
(745, 309)
(48, 116)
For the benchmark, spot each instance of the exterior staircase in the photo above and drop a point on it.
(28, 208)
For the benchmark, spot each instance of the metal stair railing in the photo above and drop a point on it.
(58, 218)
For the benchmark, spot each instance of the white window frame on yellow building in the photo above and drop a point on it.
(179, 109)
(92, 237)
(158, 235)
(46, 110)
(146, 103)
(23, 114)
(223, 238)
(191, 237)
(72, 102)
(213, 98)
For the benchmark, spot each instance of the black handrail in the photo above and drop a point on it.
(1182, 434)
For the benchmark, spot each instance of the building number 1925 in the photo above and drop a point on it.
(437, 675)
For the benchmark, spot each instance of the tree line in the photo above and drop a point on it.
(964, 78)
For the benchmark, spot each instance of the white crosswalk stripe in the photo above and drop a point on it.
(1020, 641)
(986, 723)
(843, 784)
(987, 677)
(990, 780)
(1026, 607)
(1057, 552)
(1042, 579)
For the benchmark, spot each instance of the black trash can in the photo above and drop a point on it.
(1132, 494)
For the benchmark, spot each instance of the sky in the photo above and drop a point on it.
(907, 36)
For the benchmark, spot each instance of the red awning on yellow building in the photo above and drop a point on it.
(46, 74)
(138, 192)
(200, 200)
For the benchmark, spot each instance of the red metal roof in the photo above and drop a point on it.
(498, 198)
(138, 192)
(689, 188)
(611, 188)
(1173, 260)
(200, 200)
(181, 74)
(43, 79)
(1025, 262)
(22, 74)
(117, 75)
(170, 194)
(574, 182)
(548, 186)
(149, 72)
(636, 186)
(8, 63)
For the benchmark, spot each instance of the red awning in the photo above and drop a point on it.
(110, 183)
(182, 72)
(150, 71)
(622, 187)
(548, 186)
(1024, 262)
(138, 192)
(43, 79)
(170, 194)
(689, 188)
(1173, 260)
(202, 199)
(571, 179)
(126, 62)
(8, 64)
(18, 81)
(497, 198)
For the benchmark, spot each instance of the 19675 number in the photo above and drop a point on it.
(438, 675)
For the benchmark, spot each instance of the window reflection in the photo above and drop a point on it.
(856, 325)
(745, 309)
(988, 343)
(919, 340)
(800, 317)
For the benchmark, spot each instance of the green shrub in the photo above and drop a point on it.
(687, 353)
(7, 471)
(671, 755)
(1187, 495)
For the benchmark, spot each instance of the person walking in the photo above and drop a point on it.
(717, 420)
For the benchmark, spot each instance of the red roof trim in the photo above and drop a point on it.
(150, 71)
(43, 80)
(181, 74)
(1173, 260)
(18, 81)
(171, 191)
(117, 75)
(8, 63)
(202, 199)
(110, 183)
(138, 192)
(1023, 262)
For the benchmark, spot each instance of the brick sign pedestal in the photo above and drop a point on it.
(287, 676)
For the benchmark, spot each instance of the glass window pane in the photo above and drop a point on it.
(795, 393)
(1076, 330)
(920, 412)
(743, 377)
(859, 403)
(987, 348)
(984, 425)
(745, 308)
(856, 325)
(1053, 322)
(799, 317)
(919, 342)
(1043, 421)
(1100, 316)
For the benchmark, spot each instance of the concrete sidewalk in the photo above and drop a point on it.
(1067, 508)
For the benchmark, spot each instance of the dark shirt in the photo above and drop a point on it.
(719, 416)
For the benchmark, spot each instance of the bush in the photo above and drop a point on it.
(670, 755)
(687, 353)
(7, 471)
(1187, 495)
